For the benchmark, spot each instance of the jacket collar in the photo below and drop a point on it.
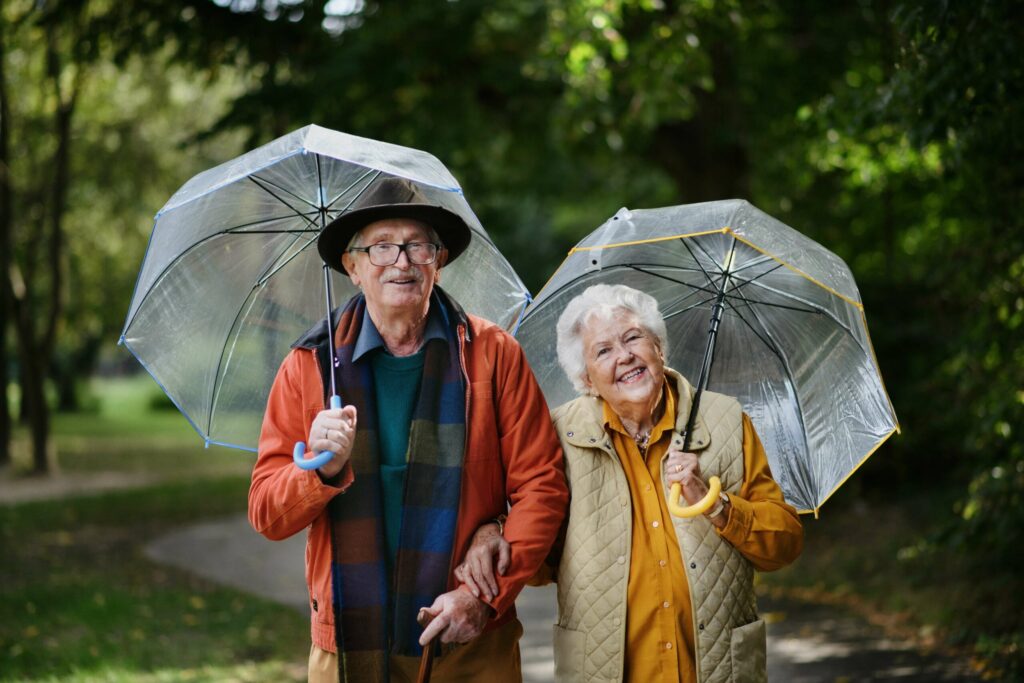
(451, 312)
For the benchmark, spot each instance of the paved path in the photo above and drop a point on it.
(806, 643)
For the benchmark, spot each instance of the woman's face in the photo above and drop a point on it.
(623, 360)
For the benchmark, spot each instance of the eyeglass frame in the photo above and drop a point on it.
(402, 248)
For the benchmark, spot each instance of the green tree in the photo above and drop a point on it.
(60, 57)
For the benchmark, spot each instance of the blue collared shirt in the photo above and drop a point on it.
(369, 338)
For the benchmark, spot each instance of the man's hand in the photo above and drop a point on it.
(333, 430)
(456, 615)
(477, 569)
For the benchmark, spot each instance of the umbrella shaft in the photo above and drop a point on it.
(330, 332)
(717, 311)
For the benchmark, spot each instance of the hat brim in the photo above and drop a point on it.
(450, 228)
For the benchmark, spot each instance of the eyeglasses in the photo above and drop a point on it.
(386, 253)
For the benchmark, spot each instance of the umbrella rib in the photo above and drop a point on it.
(258, 182)
(688, 308)
(670, 279)
(374, 172)
(256, 179)
(217, 381)
(744, 282)
(243, 226)
(707, 275)
(774, 305)
(816, 307)
(273, 268)
(773, 346)
(756, 262)
(706, 290)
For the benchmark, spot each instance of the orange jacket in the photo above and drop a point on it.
(512, 458)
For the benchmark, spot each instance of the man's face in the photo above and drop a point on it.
(402, 286)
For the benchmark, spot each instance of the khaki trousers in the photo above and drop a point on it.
(493, 657)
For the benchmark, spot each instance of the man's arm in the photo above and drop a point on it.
(284, 499)
(535, 476)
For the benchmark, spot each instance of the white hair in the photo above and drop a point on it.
(605, 302)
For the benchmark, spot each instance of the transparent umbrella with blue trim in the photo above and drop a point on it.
(232, 277)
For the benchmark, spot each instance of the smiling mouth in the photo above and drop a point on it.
(632, 375)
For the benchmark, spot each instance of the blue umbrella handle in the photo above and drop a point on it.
(320, 459)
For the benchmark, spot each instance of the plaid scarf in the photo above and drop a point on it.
(437, 437)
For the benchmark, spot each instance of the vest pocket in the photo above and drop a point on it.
(570, 653)
(747, 645)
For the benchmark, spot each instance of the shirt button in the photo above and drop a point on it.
(662, 563)
(655, 524)
(693, 565)
(668, 646)
(621, 559)
(568, 433)
(665, 604)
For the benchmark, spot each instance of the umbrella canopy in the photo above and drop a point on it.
(232, 276)
(792, 340)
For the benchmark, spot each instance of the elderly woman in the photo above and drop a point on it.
(643, 595)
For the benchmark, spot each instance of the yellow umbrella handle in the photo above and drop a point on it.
(698, 508)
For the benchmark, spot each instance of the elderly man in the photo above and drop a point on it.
(444, 429)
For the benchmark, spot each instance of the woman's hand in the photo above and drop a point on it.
(477, 569)
(684, 468)
(333, 430)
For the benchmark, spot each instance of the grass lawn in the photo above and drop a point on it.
(78, 599)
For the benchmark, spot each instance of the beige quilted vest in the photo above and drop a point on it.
(589, 637)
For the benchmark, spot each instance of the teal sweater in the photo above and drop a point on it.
(396, 384)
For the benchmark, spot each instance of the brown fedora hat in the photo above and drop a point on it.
(392, 198)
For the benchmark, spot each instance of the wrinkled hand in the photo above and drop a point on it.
(684, 468)
(333, 430)
(456, 615)
(477, 569)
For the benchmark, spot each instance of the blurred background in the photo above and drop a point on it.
(888, 130)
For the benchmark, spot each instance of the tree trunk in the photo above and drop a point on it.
(36, 314)
(5, 256)
(33, 397)
(703, 155)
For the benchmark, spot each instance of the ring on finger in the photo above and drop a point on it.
(679, 468)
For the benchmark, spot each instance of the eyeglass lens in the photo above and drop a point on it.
(386, 254)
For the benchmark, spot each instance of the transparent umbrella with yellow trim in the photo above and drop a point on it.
(754, 309)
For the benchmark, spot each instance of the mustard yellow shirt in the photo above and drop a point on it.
(659, 620)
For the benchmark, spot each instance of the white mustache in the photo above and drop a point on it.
(393, 273)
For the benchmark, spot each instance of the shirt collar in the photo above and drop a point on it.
(666, 424)
(369, 337)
